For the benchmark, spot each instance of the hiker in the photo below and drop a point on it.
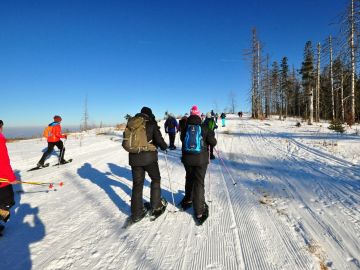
(8, 178)
(53, 134)
(211, 124)
(182, 123)
(240, 114)
(223, 116)
(195, 157)
(143, 157)
(216, 117)
(171, 127)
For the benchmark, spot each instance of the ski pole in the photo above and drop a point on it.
(51, 185)
(167, 168)
(234, 183)
(210, 199)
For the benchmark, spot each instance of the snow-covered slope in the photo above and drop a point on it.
(295, 205)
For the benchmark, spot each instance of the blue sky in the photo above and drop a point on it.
(168, 55)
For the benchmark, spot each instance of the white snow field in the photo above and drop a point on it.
(296, 204)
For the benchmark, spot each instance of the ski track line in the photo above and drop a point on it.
(331, 186)
(326, 228)
(291, 247)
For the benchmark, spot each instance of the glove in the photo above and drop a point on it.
(65, 136)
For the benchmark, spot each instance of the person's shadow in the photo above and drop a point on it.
(127, 174)
(103, 181)
(23, 229)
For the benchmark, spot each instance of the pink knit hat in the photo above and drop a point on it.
(195, 111)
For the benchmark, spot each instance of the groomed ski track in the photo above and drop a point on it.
(294, 207)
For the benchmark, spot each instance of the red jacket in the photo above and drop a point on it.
(5, 167)
(55, 132)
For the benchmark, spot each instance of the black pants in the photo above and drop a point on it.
(172, 139)
(50, 148)
(138, 175)
(6, 200)
(195, 187)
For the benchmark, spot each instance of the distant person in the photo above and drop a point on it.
(8, 178)
(212, 113)
(216, 117)
(223, 116)
(54, 136)
(182, 123)
(211, 124)
(195, 157)
(240, 114)
(171, 127)
(143, 157)
(202, 117)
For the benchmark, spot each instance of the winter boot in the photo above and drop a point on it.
(201, 219)
(158, 211)
(142, 215)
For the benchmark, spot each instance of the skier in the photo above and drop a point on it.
(8, 179)
(53, 134)
(195, 157)
(171, 127)
(211, 124)
(147, 161)
(223, 116)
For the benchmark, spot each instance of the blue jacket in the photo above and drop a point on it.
(171, 125)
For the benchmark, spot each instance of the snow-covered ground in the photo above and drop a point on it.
(295, 205)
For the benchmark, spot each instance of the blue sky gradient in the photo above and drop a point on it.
(168, 55)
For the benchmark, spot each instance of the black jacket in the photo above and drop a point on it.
(153, 135)
(208, 135)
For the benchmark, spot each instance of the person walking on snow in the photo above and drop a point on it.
(211, 124)
(54, 136)
(195, 157)
(171, 127)
(223, 116)
(147, 161)
(8, 178)
(182, 123)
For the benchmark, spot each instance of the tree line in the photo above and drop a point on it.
(325, 86)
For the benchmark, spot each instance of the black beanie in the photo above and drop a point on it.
(146, 110)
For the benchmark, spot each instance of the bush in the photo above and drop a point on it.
(337, 126)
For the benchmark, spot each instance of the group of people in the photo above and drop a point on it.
(197, 137)
(198, 141)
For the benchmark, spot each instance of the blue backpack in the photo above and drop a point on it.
(193, 142)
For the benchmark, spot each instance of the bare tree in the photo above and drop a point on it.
(85, 118)
(317, 107)
(332, 80)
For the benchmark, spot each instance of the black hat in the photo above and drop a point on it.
(1, 123)
(146, 110)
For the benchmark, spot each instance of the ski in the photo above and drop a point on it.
(39, 168)
(67, 161)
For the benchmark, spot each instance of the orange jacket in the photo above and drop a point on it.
(6, 171)
(55, 132)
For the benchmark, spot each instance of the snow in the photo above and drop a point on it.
(295, 204)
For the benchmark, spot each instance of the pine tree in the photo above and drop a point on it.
(284, 84)
(307, 72)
